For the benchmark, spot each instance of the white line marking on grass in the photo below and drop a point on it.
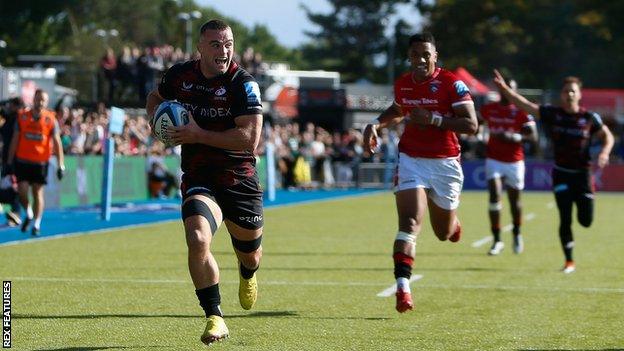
(482, 241)
(321, 283)
(391, 290)
(529, 217)
(100, 280)
(174, 281)
(550, 205)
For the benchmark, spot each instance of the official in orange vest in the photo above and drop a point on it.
(36, 138)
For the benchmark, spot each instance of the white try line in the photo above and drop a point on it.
(391, 290)
(505, 229)
(176, 281)
(261, 282)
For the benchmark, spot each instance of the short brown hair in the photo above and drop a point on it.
(214, 24)
(572, 80)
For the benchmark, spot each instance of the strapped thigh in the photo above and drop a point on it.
(196, 207)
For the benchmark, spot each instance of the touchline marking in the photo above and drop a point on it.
(391, 290)
(319, 283)
(267, 207)
(507, 228)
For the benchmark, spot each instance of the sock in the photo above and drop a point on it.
(567, 250)
(516, 229)
(37, 223)
(210, 300)
(403, 284)
(496, 233)
(29, 212)
(402, 265)
(245, 272)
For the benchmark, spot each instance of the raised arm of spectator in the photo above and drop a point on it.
(517, 99)
(391, 116)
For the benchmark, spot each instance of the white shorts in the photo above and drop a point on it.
(442, 177)
(512, 172)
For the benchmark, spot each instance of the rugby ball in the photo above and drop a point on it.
(168, 113)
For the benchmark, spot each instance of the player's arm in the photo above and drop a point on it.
(517, 99)
(58, 150)
(164, 91)
(606, 137)
(153, 100)
(391, 116)
(528, 133)
(245, 136)
(464, 121)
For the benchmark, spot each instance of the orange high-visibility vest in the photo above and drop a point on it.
(35, 135)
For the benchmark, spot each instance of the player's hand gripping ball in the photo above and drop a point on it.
(168, 113)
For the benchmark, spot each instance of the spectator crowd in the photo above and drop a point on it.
(128, 76)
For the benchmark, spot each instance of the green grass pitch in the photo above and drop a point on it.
(324, 264)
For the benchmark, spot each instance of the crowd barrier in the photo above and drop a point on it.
(82, 184)
(537, 176)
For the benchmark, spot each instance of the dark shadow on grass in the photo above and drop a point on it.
(85, 348)
(322, 269)
(264, 314)
(93, 348)
(320, 253)
(353, 318)
(446, 254)
(94, 316)
(296, 315)
(466, 269)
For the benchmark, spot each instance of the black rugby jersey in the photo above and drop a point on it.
(214, 104)
(570, 134)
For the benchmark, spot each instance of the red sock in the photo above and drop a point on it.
(402, 265)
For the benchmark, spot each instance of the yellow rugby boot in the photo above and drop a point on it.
(247, 291)
(215, 330)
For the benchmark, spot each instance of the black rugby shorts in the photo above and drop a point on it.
(32, 173)
(240, 203)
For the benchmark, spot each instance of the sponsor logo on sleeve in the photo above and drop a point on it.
(461, 88)
(252, 90)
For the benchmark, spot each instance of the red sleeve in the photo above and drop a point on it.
(457, 89)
